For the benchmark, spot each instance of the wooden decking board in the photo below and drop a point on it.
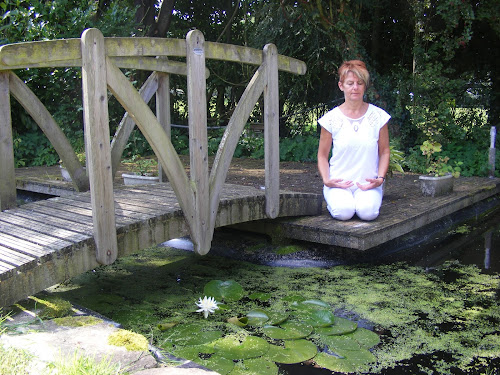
(23, 246)
(13, 257)
(41, 227)
(80, 229)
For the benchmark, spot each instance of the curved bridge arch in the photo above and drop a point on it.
(101, 59)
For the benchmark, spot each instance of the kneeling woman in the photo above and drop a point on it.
(359, 134)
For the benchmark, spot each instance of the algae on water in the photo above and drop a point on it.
(439, 321)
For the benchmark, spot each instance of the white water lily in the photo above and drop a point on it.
(207, 305)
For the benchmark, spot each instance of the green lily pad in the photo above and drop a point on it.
(333, 363)
(260, 296)
(192, 353)
(191, 334)
(311, 304)
(294, 351)
(218, 364)
(341, 326)
(288, 331)
(320, 318)
(232, 348)
(257, 317)
(365, 337)
(261, 366)
(240, 322)
(224, 290)
(339, 343)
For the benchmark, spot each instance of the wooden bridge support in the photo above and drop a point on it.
(7, 176)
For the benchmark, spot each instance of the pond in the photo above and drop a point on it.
(434, 307)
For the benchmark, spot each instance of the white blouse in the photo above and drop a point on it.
(355, 143)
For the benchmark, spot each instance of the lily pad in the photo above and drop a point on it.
(191, 334)
(365, 337)
(340, 326)
(321, 318)
(311, 304)
(192, 353)
(333, 363)
(224, 290)
(232, 348)
(288, 331)
(294, 351)
(338, 343)
(240, 322)
(257, 317)
(218, 364)
(261, 366)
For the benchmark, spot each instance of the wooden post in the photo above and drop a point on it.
(7, 172)
(198, 143)
(493, 134)
(163, 111)
(96, 123)
(271, 131)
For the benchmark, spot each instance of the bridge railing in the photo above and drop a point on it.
(101, 59)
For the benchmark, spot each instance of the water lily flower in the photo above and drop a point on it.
(207, 305)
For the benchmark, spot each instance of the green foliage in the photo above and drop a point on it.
(33, 149)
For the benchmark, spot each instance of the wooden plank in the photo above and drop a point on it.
(48, 125)
(163, 111)
(201, 233)
(96, 123)
(8, 180)
(38, 238)
(41, 227)
(14, 258)
(55, 222)
(24, 246)
(271, 131)
(20, 54)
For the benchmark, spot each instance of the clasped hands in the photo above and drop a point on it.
(341, 184)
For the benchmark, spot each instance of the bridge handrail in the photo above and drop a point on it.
(130, 53)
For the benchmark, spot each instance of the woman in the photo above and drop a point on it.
(358, 131)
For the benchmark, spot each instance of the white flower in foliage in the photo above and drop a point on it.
(207, 305)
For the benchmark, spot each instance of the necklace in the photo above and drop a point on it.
(355, 125)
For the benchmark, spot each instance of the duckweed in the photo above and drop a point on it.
(439, 321)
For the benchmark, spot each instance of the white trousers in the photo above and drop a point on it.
(344, 203)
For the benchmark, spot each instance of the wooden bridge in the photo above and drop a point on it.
(104, 213)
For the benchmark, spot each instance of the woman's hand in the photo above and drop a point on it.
(338, 183)
(372, 183)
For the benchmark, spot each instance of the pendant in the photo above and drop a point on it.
(356, 127)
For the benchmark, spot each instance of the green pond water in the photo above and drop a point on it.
(428, 317)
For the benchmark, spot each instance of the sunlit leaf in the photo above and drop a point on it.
(224, 290)
(333, 363)
(191, 334)
(260, 366)
(240, 322)
(341, 326)
(288, 331)
(365, 337)
(321, 318)
(311, 304)
(257, 317)
(294, 351)
(250, 347)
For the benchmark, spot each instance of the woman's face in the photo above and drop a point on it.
(353, 87)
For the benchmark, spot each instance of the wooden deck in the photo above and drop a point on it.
(403, 210)
(46, 242)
